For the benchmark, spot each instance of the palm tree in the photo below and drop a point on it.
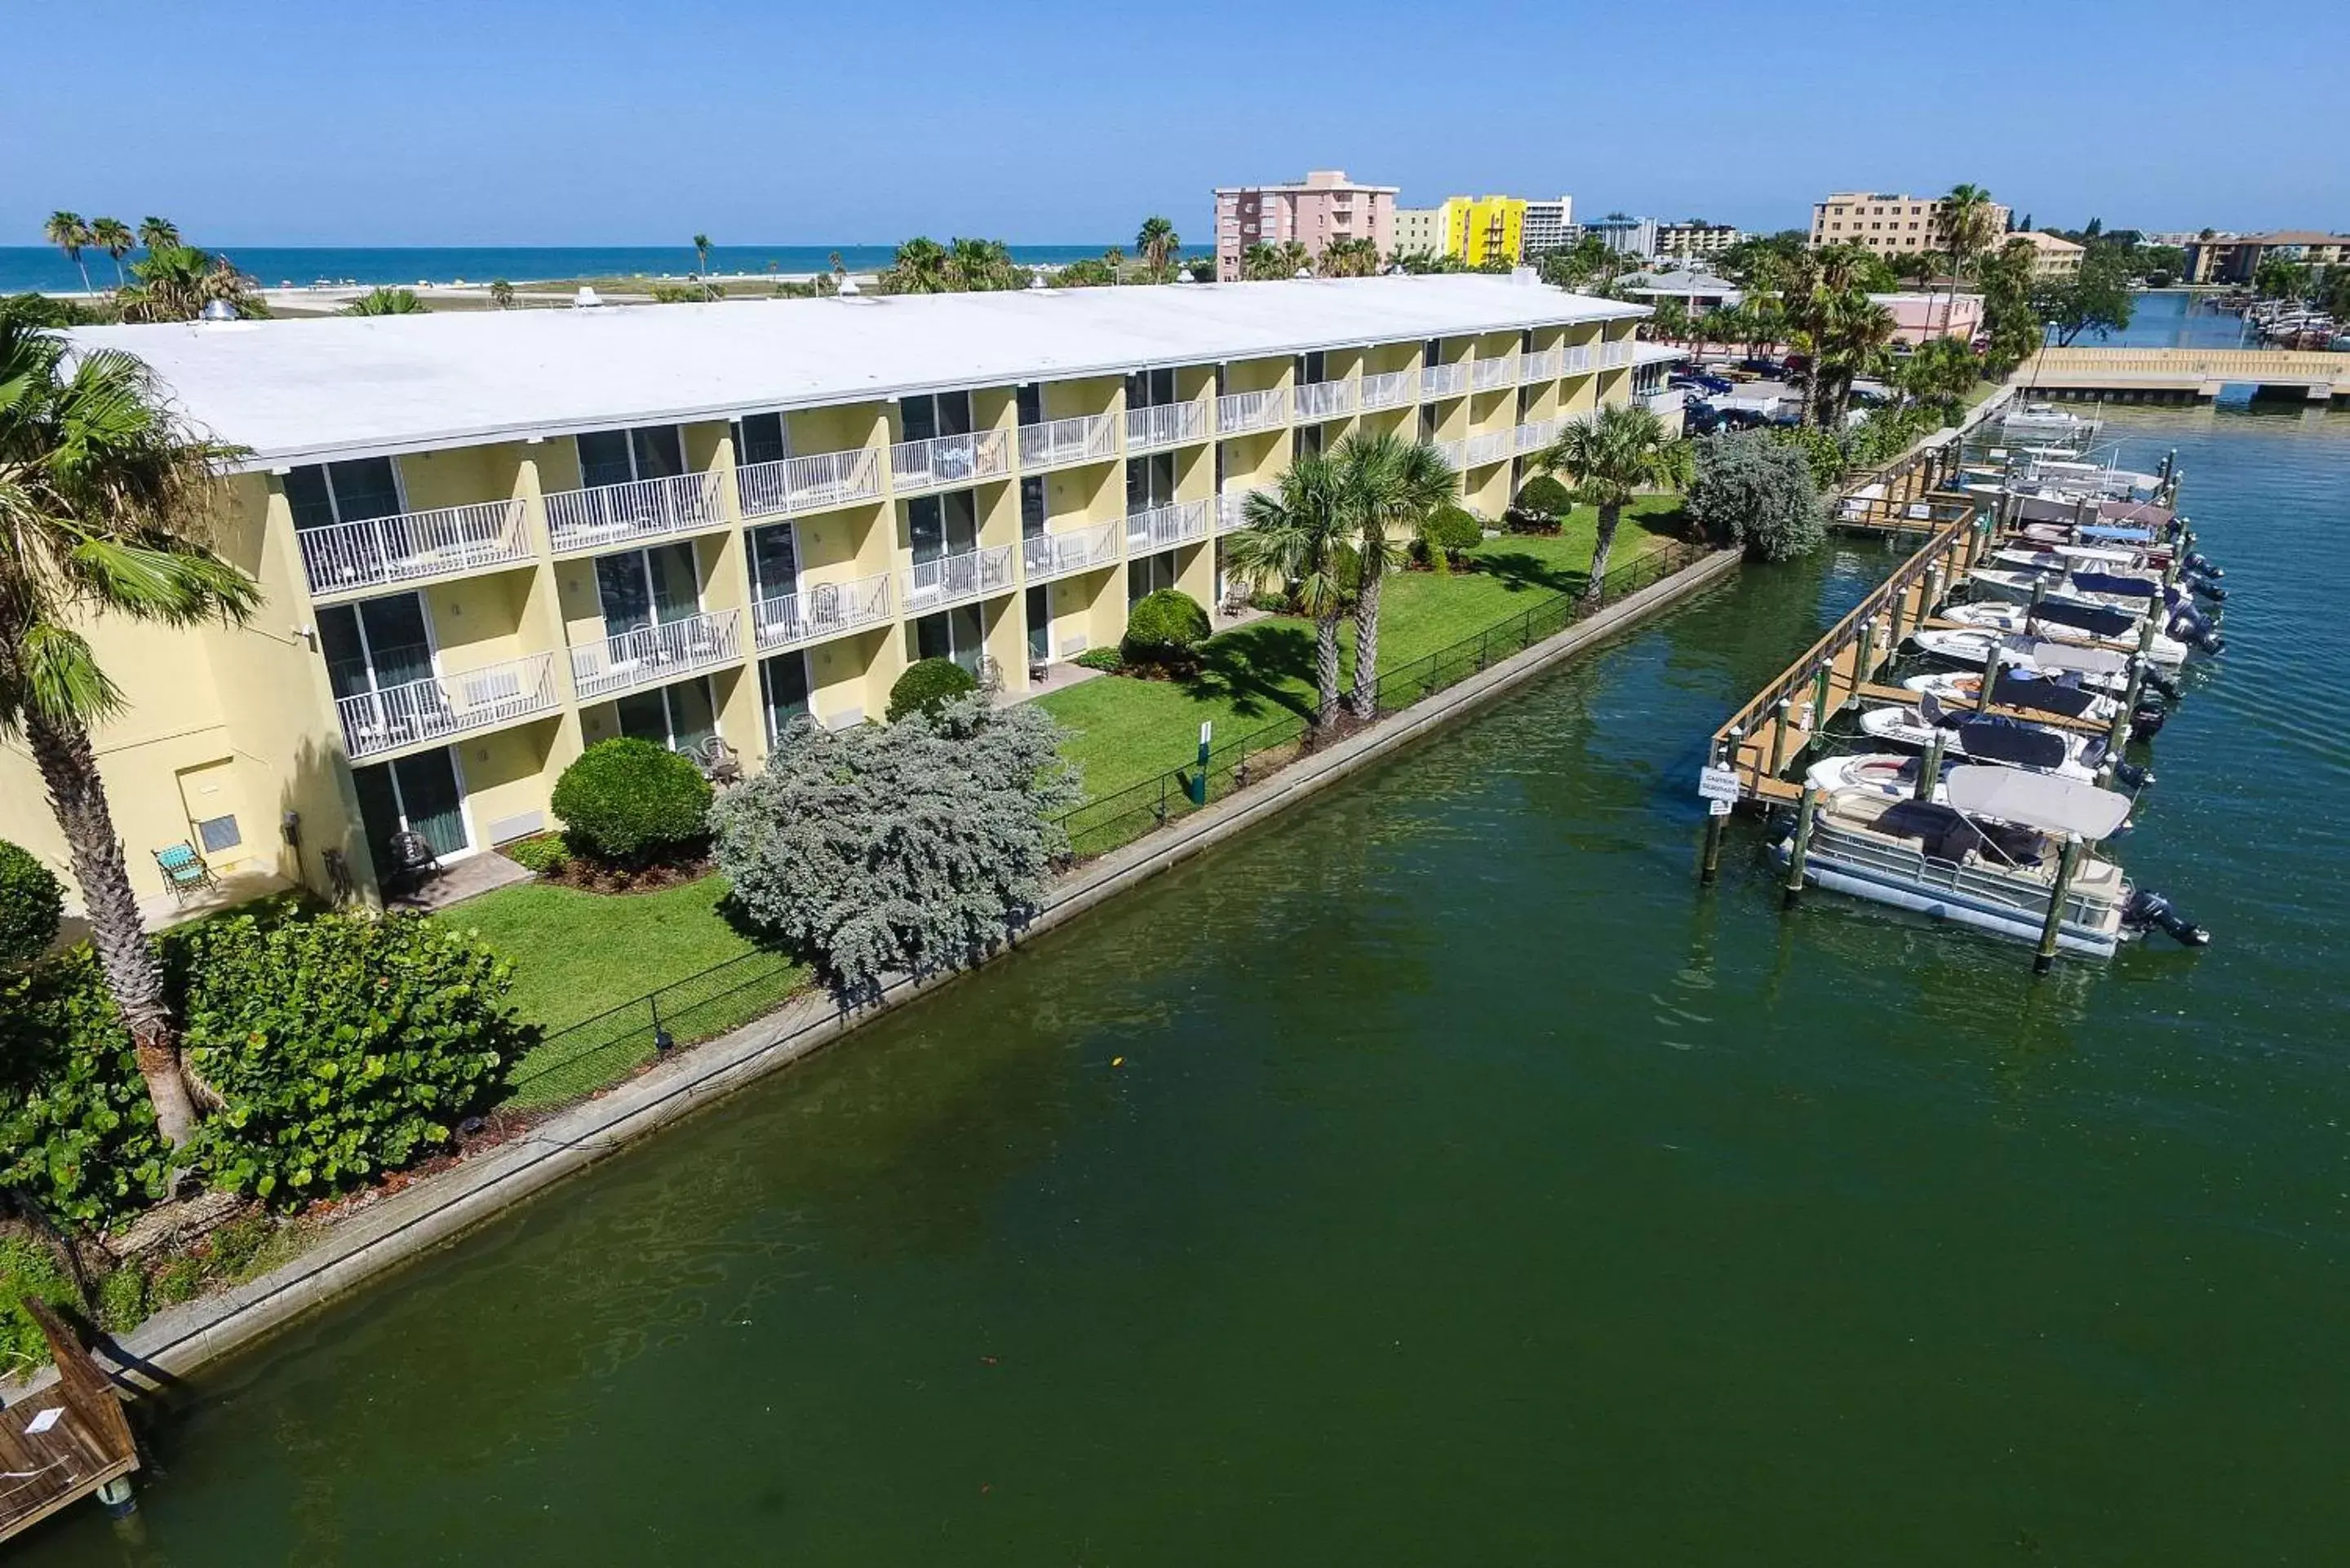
(113, 236)
(1299, 537)
(1852, 342)
(919, 266)
(176, 282)
(1260, 262)
(1610, 457)
(69, 233)
(1968, 229)
(502, 294)
(1294, 257)
(158, 234)
(1158, 246)
(104, 506)
(397, 302)
(1354, 257)
(1392, 486)
(701, 261)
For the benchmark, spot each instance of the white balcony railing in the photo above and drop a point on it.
(1044, 556)
(1240, 411)
(952, 580)
(1387, 389)
(640, 509)
(1087, 438)
(948, 459)
(1170, 424)
(1578, 359)
(440, 706)
(1164, 527)
(1492, 446)
(1538, 435)
(1614, 356)
(1487, 374)
(1539, 366)
(1325, 400)
(653, 654)
(1443, 380)
(1231, 507)
(820, 610)
(1454, 452)
(792, 486)
(344, 558)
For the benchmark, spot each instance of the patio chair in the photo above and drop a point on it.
(184, 871)
(717, 760)
(414, 861)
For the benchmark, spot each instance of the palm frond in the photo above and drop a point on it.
(58, 677)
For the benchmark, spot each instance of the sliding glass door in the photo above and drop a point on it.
(421, 794)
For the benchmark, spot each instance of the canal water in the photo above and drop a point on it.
(1439, 1176)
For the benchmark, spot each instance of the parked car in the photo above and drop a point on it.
(1703, 380)
(1769, 370)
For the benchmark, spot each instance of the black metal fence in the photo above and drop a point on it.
(1113, 821)
(575, 1061)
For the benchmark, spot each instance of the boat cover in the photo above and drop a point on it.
(2037, 800)
(2015, 690)
(2116, 534)
(2140, 512)
(2097, 621)
(2106, 583)
(1996, 739)
(2087, 660)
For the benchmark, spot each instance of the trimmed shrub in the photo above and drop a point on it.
(346, 1046)
(928, 685)
(1757, 491)
(545, 854)
(77, 1130)
(1107, 660)
(632, 802)
(1448, 535)
(1272, 601)
(1545, 496)
(31, 904)
(1165, 628)
(904, 848)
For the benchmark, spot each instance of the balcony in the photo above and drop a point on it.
(797, 485)
(349, 557)
(1578, 359)
(1614, 356)
(1239, 412)
(943, 462)
(1164, 527)
(1045, 557)
(934, 585)
(1489, 375)
(1231, 507)
(1454, 452)
(641, 509)
(1491, 446)
(1387, 391)
(1538, 435)
(1540, 366)
(1325, 400)
(1170, 424)
(1443, 380)
(651, 655)
(441, 706)
(1089, 438)
(820, 611)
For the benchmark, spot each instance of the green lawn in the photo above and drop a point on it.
(1126, 730)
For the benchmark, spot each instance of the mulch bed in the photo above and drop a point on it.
(595, 877)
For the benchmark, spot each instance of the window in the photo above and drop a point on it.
(637, 589)
(762, 438)
(1029, 399)
(1150, 388)
(935, 414)
(1032, 507)
(617, 457)
(940, 525)
(376, 644)
(218, 833)
(775, 562)
(320, 494)
(675, 716)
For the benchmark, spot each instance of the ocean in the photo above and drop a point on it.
(26, 267)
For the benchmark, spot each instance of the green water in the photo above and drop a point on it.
(1474, 1189)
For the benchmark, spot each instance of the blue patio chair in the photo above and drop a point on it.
(183, 869)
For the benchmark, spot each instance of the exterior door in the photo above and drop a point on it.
(420, 795)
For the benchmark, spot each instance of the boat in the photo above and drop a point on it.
(2084, 626)
(2017, 688)
(2043, 421)
(1987, 856)
(2002, 741)
(2098, 668)
(1890, 773)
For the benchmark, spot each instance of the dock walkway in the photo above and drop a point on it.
(65, 1443)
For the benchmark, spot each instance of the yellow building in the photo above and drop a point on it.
(1475, 229)
(486, 541)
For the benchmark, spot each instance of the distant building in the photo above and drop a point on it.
(1549, 226)
(1420, 230)
(1324, 207)
(2053, 257)
(1695, 240)
(1920, 317)
(1473, 230)
(2234, 258)
(1888, 224)
(1625, 236)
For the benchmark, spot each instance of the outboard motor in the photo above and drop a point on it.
(2200, 564)
(2131, 776)
(2189, 624)
(2204, 588)
(2146, 721)
(2147, 909)
(2161, 685)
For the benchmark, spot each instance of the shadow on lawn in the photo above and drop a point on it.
(1246, 667)
(1518, 572)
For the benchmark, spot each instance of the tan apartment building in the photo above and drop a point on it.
(485, 541)
(2054, 258)
(1324, 206)
(1696, 240)
(1888, 224)
(2234, 258)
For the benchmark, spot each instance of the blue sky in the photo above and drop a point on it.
(639, 121)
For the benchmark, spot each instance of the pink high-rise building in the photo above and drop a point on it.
(1324, 206)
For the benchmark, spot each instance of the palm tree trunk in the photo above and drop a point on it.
(84, 266)
(1608, 517)
(134, 973)
(1366, 645)
(1326, 669)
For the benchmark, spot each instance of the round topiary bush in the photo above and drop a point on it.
(1165, 628)
(630, 802)
(1546, 495)
(1448, 535)
(31, 904)
(928, 685)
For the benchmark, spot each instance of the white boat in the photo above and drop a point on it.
(1985, 855)
(2004, 743)
(2030, 693)
(2062, 623)
(2097, 668)
(1890, 773)
(2126, 591)
(2035, 556)
(2040, 421)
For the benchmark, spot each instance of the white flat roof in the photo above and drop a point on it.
(309, 391)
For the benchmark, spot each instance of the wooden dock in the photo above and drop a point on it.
(65, 1441)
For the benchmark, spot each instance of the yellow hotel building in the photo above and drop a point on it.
(488, 540)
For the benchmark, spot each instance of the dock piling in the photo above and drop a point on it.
(1779, 735)
(1801, 850)
(1930, 772)
(2068, 861)
(1820, 684)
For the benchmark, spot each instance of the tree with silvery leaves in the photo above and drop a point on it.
(907, 848)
